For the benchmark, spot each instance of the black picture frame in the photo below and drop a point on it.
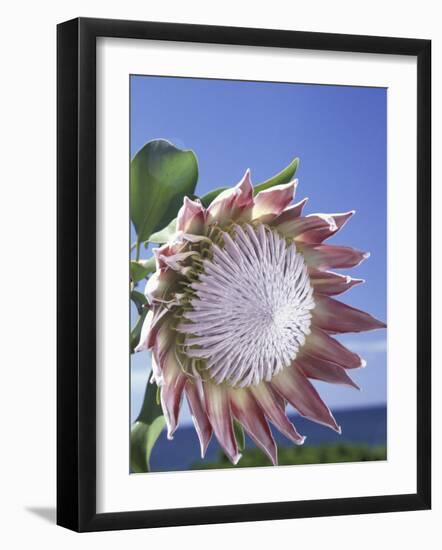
(76, 274)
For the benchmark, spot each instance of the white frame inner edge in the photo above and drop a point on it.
(116, 489)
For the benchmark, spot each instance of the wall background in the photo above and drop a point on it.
(27, 289)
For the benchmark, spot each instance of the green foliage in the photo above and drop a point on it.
(135, 333)
(239, 435)
(162, 236)
(285, 176)
(161, 175)
(139, 300)
(140, 269)
(146, 430)
(305, 454)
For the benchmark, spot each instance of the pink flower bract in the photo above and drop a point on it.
(242, 315)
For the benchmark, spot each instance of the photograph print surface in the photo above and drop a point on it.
(257, 274)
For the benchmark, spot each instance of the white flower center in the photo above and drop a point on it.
(252, 307)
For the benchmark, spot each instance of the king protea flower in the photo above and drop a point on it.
(242, 313)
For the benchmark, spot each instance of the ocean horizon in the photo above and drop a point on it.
(367, 425)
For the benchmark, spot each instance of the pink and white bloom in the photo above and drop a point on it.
(243, 313)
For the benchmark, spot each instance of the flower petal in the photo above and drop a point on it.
(172, 386)
(174, 261)
(191, 217)
(290, 213)
(272, 405)
(323, 256)
(329, 283)
(163, 280)
(160, 285)
(233, 202)
(218, 411)
(145, 332)
(153, 321)
(320, 344)
(292, 384)
(271, 202)
(298, 226)
(193, 238)
(157, 374)
(199, 415)
(320, 369)
(163, 339)
(336, 317)
(319, 234)
(165, 250)
(249, 414)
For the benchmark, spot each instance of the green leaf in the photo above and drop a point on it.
(141, 269)
(146, 430)
(139, 300)
(239, 435)
(284, 176)
(161, 175)
(165, 234)
(136, 331)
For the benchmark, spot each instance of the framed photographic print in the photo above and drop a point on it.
(243, 274)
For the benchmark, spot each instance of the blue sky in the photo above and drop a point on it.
(339, 134)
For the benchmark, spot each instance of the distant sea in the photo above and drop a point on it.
(363, 425)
